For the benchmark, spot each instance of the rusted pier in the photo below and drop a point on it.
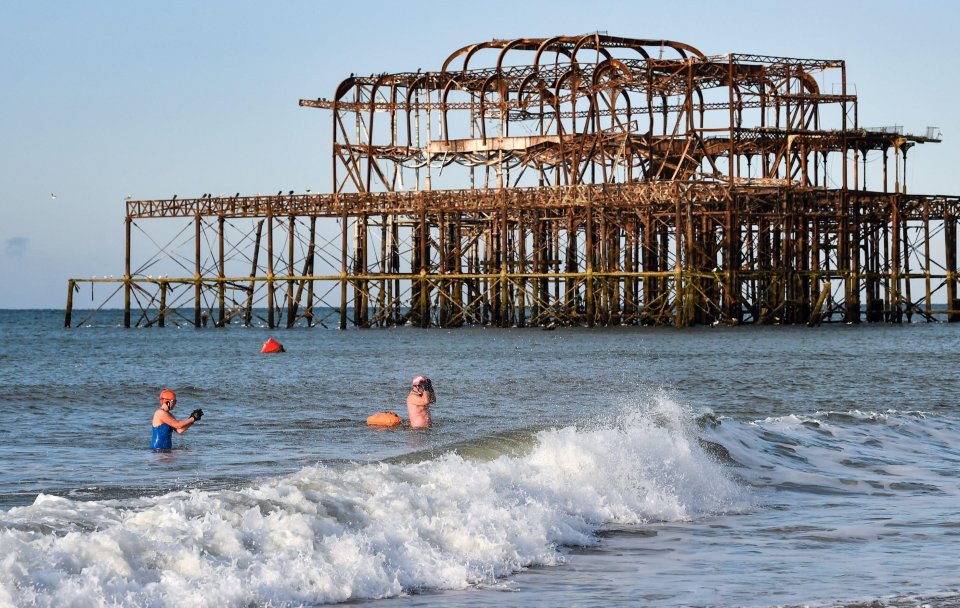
(587, 180)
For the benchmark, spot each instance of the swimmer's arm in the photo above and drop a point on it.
(178, 425)
(418, 399)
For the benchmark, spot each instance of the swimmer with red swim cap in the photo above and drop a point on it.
(419, 400)
(164, 423)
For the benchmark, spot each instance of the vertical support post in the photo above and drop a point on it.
(360, 286)
(382, 300)
(855, 237)
(424, 302)
(603, 257)
(678, 318)
(415, 268)
(271, 320)
(343, 269)
(571, 304)
(553, 235)
(689, 267)
(926, 258)
(874, 303)
(68, 317)
(221, 285)
(456, 266)
(504, 296)
(541, 245)
(663, 265)
(629, 266)
(732, 263)
(817, 277)
(752, 227)
(248, 309)
(907, 296)
(126, 272)
(732, 153)
(950, 244)
(649, 266)
(197, 321)
(589, 252)
(896, 299)
(291, 303)
(521, 250)
(443, 285)
(395, 268)
(458, 260)
(887, 271)
(162, 315)
(308, 313)
(843, 125)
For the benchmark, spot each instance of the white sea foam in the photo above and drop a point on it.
(330, 534)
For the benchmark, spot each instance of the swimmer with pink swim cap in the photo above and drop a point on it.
(419, 400)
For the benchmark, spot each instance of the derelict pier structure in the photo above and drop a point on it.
(586, 180)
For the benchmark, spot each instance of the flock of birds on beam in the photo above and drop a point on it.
(53, 196)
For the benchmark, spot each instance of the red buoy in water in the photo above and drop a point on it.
(272, 346)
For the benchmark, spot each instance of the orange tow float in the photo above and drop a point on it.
(384, 419)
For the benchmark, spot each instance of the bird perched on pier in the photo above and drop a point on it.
(174, 197)
(279, 192)
(290, 193)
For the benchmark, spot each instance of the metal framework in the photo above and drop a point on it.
(585, 180)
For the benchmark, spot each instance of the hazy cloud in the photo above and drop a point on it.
(15, 247)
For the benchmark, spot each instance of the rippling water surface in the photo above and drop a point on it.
(751, 466)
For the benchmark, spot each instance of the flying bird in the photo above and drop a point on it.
(53, 196)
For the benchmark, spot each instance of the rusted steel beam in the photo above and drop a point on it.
(656, 195)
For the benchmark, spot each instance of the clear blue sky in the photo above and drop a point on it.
(101, 100)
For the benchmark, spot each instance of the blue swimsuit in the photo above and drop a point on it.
(161, 437)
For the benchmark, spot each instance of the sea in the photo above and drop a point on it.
(626, 466)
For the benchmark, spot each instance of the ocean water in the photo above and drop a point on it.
(710, 466)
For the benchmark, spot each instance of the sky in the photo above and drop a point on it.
(104, 100)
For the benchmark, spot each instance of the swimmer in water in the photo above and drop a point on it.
(164, 423)
(419, 400)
